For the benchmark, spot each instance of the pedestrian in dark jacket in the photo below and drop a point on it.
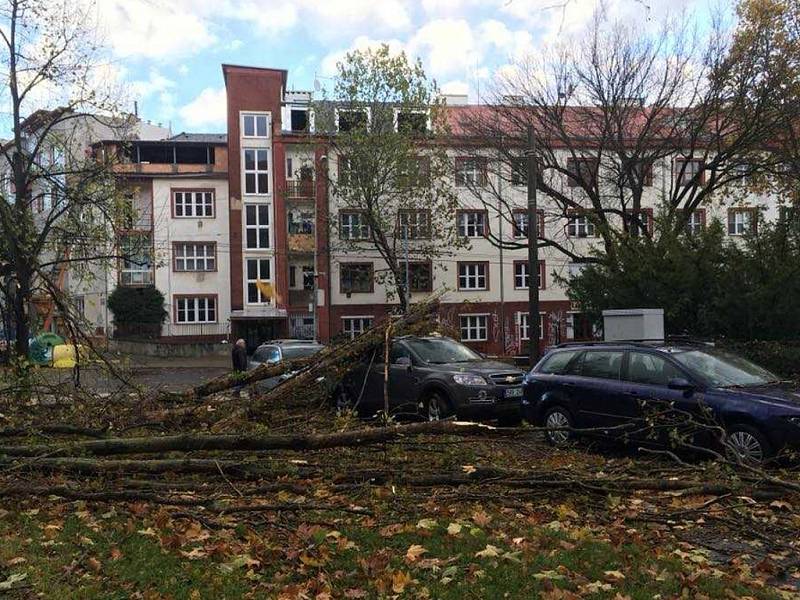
(239, 357)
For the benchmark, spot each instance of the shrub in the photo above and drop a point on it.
(137, 305)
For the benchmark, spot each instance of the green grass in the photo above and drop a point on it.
(108, 557)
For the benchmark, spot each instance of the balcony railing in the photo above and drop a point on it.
(302, 243)
(154, 331)
(300, 189)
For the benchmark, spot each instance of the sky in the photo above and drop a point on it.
(168, 52)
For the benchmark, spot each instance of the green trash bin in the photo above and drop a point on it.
(40, 349)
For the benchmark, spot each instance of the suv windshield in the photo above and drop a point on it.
(720, 369)
(441, 351)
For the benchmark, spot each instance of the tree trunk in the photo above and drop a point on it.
(22, 326)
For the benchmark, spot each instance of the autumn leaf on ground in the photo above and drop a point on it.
(481, 519)
(426, 524)
(12, 580)
(94, 564)
(488, 552)
(400, 580)
(414, 552)
(391, 530)
(613, 576)
(454, 528)
(355, 593)
(468, 469)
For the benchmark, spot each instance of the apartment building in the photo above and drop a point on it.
(290, 276)
(178, 236)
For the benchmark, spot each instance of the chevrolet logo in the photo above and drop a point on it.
(510, 379)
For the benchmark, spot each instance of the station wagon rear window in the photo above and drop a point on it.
(557, 362)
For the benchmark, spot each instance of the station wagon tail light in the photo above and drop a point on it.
(468, 379)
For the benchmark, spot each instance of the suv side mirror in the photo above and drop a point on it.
(404, 361)
(681, 384)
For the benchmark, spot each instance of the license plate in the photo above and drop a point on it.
(514, 393)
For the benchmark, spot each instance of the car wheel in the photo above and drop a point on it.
(436, 407)
(555, 420)
(747, 445)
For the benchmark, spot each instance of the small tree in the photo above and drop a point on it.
(384, 121)
(137, 308)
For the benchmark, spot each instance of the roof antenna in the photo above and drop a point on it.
(136, 108)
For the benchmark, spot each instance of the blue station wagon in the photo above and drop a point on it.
(615, 389)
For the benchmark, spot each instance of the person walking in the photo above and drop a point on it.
(239, 360)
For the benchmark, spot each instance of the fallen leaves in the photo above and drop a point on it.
(414, 552)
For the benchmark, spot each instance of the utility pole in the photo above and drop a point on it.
(533, 253)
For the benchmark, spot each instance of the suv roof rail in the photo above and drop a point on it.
(683, 339)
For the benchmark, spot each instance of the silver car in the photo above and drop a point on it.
(277, 351)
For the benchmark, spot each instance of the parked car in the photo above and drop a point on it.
(276, 351)
(606, 385)
(435, 377)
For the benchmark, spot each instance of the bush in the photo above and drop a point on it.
(708, 285)
(137, 306)
(782, 358)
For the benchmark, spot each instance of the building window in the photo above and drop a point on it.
(470, 171)
(353, 225)
(195, 256)
(259, 281)
(579, 225)
(137, 261)
(420, 274)
(641, 219)
(524, 326)
(194, 204)
(522, 275)
(520, 224)
(474, 328)
(696, 221)
(472, 223)
(355, 326)
(256, 171)
(308, 277)
(355, 278)
(411, 121)
(256, 226)
(301, 220)
(519, 171)
(582, 172)
(741, 221)
(414, 172)
(473, 276)
(196, 309)
(414, 224)
(255, 126)
(687, 169)
(640, 174)
(352, 120)
(298, 119)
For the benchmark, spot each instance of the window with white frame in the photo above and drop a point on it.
(472, 223)
(414, 224)
(474, 328)
(256, 171)
(196, 309)
(522, 275)
(354, 326)
(255, 126)
(353, 225)
(523, 322)
(197, 204)
(696, 222)
(473, 276)
(520, 223)
(256, 226)
(411, 121)
(686, 170)
(579, 225)
(137, 263)
(741, 221)
(470, 171)
(192, 256)
(259, 280)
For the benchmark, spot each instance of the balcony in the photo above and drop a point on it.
(300, 190)
(301, 243)
(301, 297)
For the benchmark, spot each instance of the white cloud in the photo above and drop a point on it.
(362, 42)
(207, 110)
(447, 46)
(159, 31)
(455, 87)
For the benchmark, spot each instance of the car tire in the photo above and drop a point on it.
(435, 407)
(557, 417)
(747, 444)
